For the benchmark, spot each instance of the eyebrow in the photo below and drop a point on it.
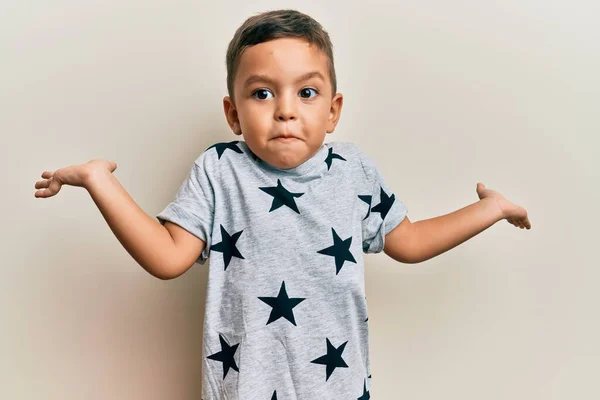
(265, 78)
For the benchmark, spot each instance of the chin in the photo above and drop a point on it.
(286, 161)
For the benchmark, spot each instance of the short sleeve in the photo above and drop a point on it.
(385, 210)
(192, 208)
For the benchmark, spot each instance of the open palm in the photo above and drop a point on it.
(513, 213)
(74, 175)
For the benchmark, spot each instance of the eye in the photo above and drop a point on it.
(260, 91)
(308, 89)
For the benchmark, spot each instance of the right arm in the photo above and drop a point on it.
(164, 251)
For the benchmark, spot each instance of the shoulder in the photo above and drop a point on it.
(217, 151)
(217, 162)
(347, 147)
(355, 155)
(350, 151)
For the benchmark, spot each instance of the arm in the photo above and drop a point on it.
(416, 242)
(163, 251)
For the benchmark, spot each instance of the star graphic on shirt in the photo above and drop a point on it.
(282, 305)
(385, 204)
(227, 246)
(331, 156)
(365, 395)
(333, 358)
(340, 250)
(221, 147)
(274, 395)
(226, 356)
(281, 196)
(367, 199)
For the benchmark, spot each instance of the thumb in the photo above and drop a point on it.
(112, 166)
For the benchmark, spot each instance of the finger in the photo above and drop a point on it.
(43, 193)
(42, 184)
(522, 223)
(518, 224)
(47, 174)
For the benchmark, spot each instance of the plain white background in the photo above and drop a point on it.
(442, 94)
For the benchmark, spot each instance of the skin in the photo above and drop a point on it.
(283, 122)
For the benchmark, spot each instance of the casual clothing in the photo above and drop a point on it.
(286, 312)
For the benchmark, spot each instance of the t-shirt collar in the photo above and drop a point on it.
(307, 166)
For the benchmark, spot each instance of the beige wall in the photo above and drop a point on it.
(442, 94)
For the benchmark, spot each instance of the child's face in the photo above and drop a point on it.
(283, 121)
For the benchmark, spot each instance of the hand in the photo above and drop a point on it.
(74, 175)
(513, 213)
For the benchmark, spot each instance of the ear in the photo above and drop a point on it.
(335, 112)
(231, 115)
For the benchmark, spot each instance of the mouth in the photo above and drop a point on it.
(285, 138)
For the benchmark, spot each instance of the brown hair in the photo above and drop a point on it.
(272, 25)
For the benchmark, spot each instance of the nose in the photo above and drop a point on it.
(286, 108)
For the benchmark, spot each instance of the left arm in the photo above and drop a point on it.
(417, 242)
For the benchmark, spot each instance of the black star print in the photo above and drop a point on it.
(281, 196)
(333, 358)
(226, 356)
(340, 250)
(221, 147)
(385, 204)
(331, 156)
(274, 395)
(282, 305)
(227, 246)
(366, 199)
(365, 395)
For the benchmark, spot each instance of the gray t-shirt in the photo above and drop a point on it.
(286, 312)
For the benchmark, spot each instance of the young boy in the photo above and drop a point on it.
(286, 219)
